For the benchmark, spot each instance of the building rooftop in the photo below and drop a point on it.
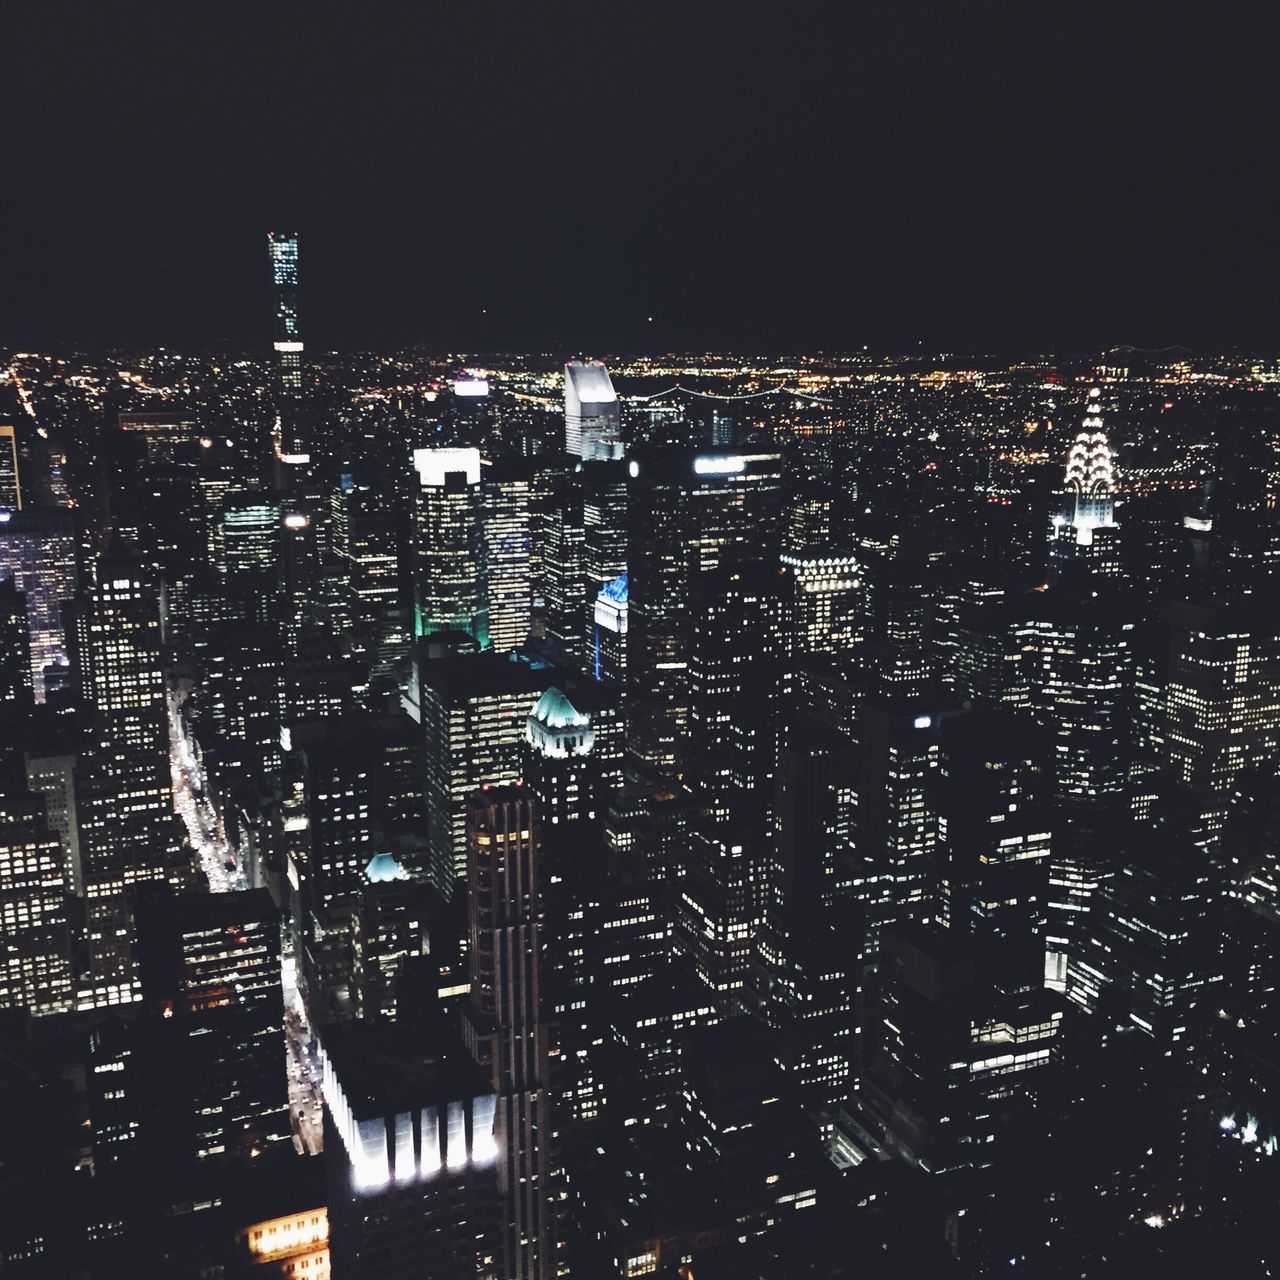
(389, 1067)
(589, 382)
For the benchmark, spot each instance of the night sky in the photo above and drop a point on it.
(483, 175)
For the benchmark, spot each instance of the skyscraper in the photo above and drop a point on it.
(507, 492)
(128, 827)
(409, 1155)
(282, 246)
(35, 958)
(291, 444)
(448, 543)
(592, 415)
(504, 1026)
(38, 550)
(15, 648)
(688, 513)
(473, 709)
(1086, 530)
(10, 484)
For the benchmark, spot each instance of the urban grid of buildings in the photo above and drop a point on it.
(679, 816)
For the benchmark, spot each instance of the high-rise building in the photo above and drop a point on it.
(689, 512)
(807, 961)
(38, 550)
(213, 1020)
(826, 602)
(995, 825)
(507, 492)
(16, 690)
(1150, 954)
(128, 829)
(291, 444)
(609, 657)
(1078, 672)
(1086, 531)
(410, 1151)
(10, 483)
(282, 247)
(604, 536)
(505, 1025)
(563, 576)
(474, 711)
(35, 957)
(1211, 701)
(448, 543)
(592, 414)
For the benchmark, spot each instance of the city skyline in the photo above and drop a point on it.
(638, 646)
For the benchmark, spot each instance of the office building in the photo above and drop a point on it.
(38, 550)
(689, 512)
(995, 836)
(16, 690)
(609, 655)
(448, 543)
(592, 414)
(35, 951)
(507, 493)
(212, 1024)
(128, 830)
(474, 712)
(10, 482)
(504, 1024)
(410, 1151)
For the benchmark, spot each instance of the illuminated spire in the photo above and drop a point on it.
(1091, 475)
(1090, 460)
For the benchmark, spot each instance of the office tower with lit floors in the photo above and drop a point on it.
(35, 956)
(10, 483)
(38, 551)
(292, 448)
(689, 512)
(128, 831)
(448, 543)
(16, 691)
(504, 1024)
(592, 414)
(1078, 674)
(506, 487)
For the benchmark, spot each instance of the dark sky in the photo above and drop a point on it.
(477, 173)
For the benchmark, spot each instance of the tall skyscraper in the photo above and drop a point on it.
(38, 550)
(282, 246)
(507, 492)
(505, 1027)
(128, 828)
(409, 1155)
(592, 414)
(291, 444)
(688, 513)
(995, 825)
(15, 648)
(473, 709)
(448, 543)
(10, 483)
(1086, 530)
(35, 957)
(209, 966)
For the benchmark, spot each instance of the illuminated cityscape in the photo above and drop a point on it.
(498, 791)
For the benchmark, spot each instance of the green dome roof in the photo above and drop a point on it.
(384, 868)
(556, 711)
